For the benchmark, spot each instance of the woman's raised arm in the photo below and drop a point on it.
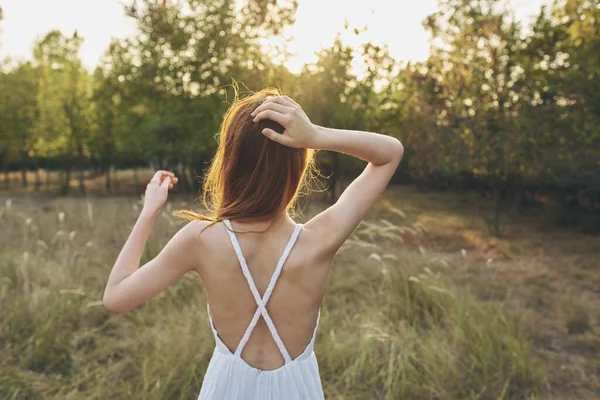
(383, 154)
(130, 285)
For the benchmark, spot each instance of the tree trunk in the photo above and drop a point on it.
(5, 168)
(48, 179)
(108, 181)
(80, 168)
(518, 200)
(191, 178)
(497, 202)
(66, 186)
(184, 182)
(38, 178)
(23, 175)
(115, 179)
(104, 166)
(135, 180)
(81, 182)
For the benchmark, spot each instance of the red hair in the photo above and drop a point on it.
(251, 177)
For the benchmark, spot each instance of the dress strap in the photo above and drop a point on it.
(261, 302)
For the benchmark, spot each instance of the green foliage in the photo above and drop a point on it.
(560, 86)
(509, 113)
(501, 112)
(18, 110)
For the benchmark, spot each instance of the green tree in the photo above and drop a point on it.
(560, 91)
(471, 72)
(18, 115)
(176, 68)
(63, 101)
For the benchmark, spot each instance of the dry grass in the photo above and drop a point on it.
(407, 315)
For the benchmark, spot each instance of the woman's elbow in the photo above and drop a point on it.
(112, 306)
(398, 150)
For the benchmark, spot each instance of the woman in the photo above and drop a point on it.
(264, 274)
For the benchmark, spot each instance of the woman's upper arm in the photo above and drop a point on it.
(178, 257)
(334, 225)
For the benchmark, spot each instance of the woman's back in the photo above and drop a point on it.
(296, 297)
(264, 339)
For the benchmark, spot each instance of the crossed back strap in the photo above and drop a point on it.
(261, 303)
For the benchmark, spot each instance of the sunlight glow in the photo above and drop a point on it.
(394, 23)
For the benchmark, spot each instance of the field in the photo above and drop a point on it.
(423, 304)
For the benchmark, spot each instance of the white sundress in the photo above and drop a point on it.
(229, 377)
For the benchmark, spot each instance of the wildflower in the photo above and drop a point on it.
(78, 291)
(397, 211)
(463, 252)
(72, 235)
(90, 213)
(95, 303)
(375, 256)
(61, 217)
(439, 289)
(28, 221)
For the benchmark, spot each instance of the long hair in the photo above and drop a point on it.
(251, 177)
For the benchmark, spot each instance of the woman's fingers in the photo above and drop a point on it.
(163, 173)
(283, 100)
(172, 181)
(291, 101)
(166, 182)
(276, 116)
(276, 137)
(160, 174)
(164, 179)
(280, 108)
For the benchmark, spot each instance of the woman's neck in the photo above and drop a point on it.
(273, 222)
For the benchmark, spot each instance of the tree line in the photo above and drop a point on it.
(510, 111)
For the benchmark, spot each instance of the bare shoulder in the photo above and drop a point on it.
(316, 238)
(196, 237)
(199, 232)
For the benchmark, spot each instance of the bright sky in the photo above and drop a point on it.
(395, 22)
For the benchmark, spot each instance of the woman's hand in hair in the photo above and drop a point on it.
(157, 191)
(299, 131)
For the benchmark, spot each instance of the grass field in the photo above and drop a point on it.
(423, 304)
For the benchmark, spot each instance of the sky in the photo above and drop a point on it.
(396, 23)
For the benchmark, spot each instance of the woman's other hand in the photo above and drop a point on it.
(157, 191)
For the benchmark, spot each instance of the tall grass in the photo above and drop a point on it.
(393, 326)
